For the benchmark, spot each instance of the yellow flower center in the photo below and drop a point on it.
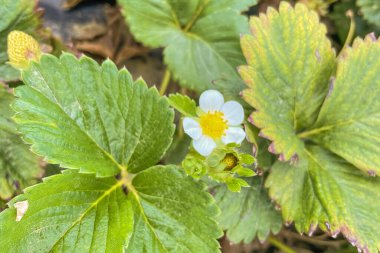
(230, 160)
(213, 124)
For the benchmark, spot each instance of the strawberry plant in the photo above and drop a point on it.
(280, 128)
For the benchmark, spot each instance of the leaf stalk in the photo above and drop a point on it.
(351, 32)
(280, 245)
(165, 82)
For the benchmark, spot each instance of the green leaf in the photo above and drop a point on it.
(248, 214)
(290, 62)
(18, 166)
(349, 121)
(370, 10)
(165, 211)
(96, 118)
(14, 15)
(326, 191)
(201, 37)
(70, 212)
(243, 172)
(173, 213)
(185, 105)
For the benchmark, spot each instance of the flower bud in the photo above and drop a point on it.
(22, 48)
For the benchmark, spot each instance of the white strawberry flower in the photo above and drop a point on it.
(218, 121)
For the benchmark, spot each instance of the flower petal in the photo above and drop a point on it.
(204, 145)
(233, 113)
(192, 128)
(234, 135)
(211, 100)
(21, 208)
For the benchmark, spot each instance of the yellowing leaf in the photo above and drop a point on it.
(326, 191)
(290, 61)
(349, 121)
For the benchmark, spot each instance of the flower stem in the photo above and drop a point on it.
(280, 245)
(165, 82)
(180, 124)
(351, 32)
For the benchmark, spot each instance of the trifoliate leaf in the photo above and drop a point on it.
(370, 10)
(326, 191)
(349, 121)
(201, 37)
(185, 105)
(173, 213)
(90, 117)
(290, 62)
(248, 214)
(14, 15)
(70, 212)
(18, 166)
(290, 65)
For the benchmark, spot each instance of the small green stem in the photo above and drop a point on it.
(165, 82)
(180, 124)
(280, 245)
(351, 32)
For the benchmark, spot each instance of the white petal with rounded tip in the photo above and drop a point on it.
(211, 100)
(192, 128)
(233, 135)
(204, 145)
(233, 113)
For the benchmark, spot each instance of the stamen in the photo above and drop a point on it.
(213, 124)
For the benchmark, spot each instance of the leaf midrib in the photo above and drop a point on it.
(83, 215)
(318, 130)
(111, 158)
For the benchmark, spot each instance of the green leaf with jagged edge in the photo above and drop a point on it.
(165, 211)
(349, 121)
(173, 213)
(14, 15)
(249, 214)
(185, 105)
(201, 37)
(295, 105)
(70, 212)
(326, 191)
(259, 148)
(290, 61)
(370, 10)
(18, 166)
(96, 118)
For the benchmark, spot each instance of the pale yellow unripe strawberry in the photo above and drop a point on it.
(22, 48)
